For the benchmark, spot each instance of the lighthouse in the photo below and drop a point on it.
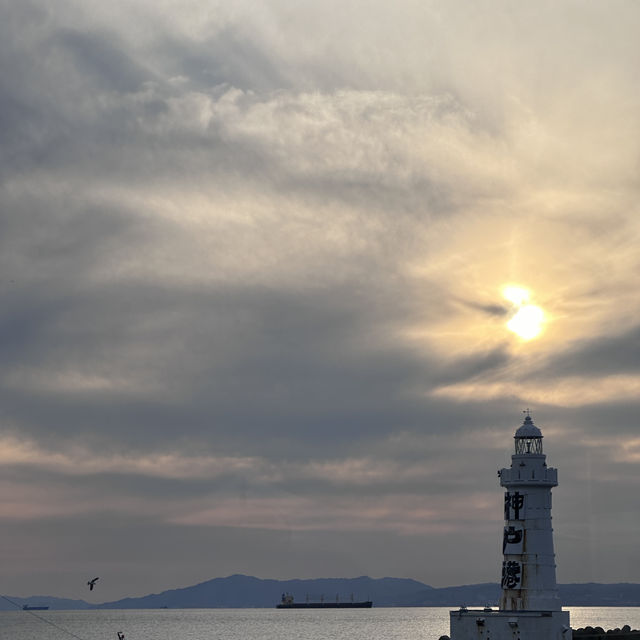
(529, 608)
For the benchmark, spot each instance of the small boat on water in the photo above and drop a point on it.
(32, 607)
(288, 603)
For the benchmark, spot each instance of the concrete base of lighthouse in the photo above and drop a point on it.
(474, 624)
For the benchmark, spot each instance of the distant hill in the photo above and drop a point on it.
(247, 591)
(593, 594)
(47, 601)
(239, 591)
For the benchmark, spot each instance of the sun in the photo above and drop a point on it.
(527, 320)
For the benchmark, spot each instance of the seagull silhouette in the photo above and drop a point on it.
(92, 583)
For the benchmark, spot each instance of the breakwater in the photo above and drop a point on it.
(598, 633)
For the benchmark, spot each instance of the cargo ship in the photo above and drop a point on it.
(288, 603)
(31, 607)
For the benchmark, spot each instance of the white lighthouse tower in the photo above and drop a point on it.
(529, 605)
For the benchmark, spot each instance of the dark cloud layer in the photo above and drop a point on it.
(610, 355)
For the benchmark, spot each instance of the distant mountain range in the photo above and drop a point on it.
(240, 591)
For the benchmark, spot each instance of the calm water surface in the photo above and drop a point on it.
(415, 623)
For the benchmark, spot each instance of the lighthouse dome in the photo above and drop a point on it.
(528, 437)
(528, 430)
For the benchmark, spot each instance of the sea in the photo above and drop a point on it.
(393, 623)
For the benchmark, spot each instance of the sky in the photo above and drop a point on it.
(253, 259)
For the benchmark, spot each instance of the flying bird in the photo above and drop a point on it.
(92, 583)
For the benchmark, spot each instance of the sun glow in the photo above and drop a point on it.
(517, 295)
(527, 320)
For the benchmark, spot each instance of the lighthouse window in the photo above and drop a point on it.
(528, 445)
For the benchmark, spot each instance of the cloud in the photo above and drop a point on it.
(611, 355)
(251, 261)
(99, 56)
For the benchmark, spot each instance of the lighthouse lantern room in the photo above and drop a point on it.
(529, 604)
